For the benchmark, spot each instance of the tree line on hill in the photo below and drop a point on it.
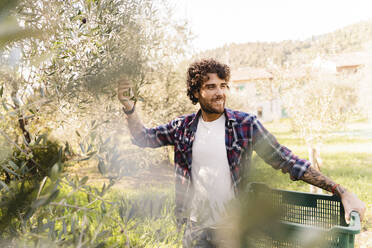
(288, 52)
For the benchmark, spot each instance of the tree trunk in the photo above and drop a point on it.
(21, 120)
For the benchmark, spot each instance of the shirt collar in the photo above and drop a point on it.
(230, 117)
(194, 121)
(193, 124)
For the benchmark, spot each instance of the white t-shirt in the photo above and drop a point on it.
(210, 172)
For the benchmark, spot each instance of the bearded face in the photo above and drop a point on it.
(212, 95)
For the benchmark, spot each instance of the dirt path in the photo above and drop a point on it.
(161, 175)
(157, 176)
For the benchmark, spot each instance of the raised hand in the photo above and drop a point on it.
(125, 94)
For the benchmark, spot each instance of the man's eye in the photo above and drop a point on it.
(210, 86)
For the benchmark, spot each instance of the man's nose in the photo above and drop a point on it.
(220, 91)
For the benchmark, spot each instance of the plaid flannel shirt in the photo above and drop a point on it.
(243, 134)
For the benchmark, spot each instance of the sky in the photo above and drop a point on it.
(218, 22)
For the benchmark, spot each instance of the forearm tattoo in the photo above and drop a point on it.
(314, 177)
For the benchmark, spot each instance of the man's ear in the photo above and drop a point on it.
(196, 94)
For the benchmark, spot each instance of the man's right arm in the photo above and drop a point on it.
(135, 125)
(124, 95)
(145, 137)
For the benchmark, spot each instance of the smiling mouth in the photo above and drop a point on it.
(219, 102)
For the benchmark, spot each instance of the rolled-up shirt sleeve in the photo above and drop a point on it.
(162, 135)
(278, 156)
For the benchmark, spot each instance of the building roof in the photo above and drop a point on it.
(250, 74)
(351, 59)
(344, 60)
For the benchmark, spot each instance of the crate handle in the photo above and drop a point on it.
(354, 226)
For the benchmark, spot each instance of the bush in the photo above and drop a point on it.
(37, 163)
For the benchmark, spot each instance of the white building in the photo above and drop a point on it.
(246, 81)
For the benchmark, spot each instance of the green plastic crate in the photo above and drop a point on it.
(306, 216)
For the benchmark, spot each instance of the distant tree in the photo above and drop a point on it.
(319, 104)
(365, 92)
(291, 53)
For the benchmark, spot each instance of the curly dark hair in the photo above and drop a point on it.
(197, 75)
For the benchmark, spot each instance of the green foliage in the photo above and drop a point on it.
(14, 203)
(85, 49)
(85, 215)
(10, 29)
(61, 79)
(44, 157)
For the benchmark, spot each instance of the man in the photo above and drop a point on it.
(213, 148)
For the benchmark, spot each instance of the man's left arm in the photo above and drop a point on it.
(280, 157)
(349, 200)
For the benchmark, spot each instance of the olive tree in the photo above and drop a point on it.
(61, 61)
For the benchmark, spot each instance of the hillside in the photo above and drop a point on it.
(259, 54)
